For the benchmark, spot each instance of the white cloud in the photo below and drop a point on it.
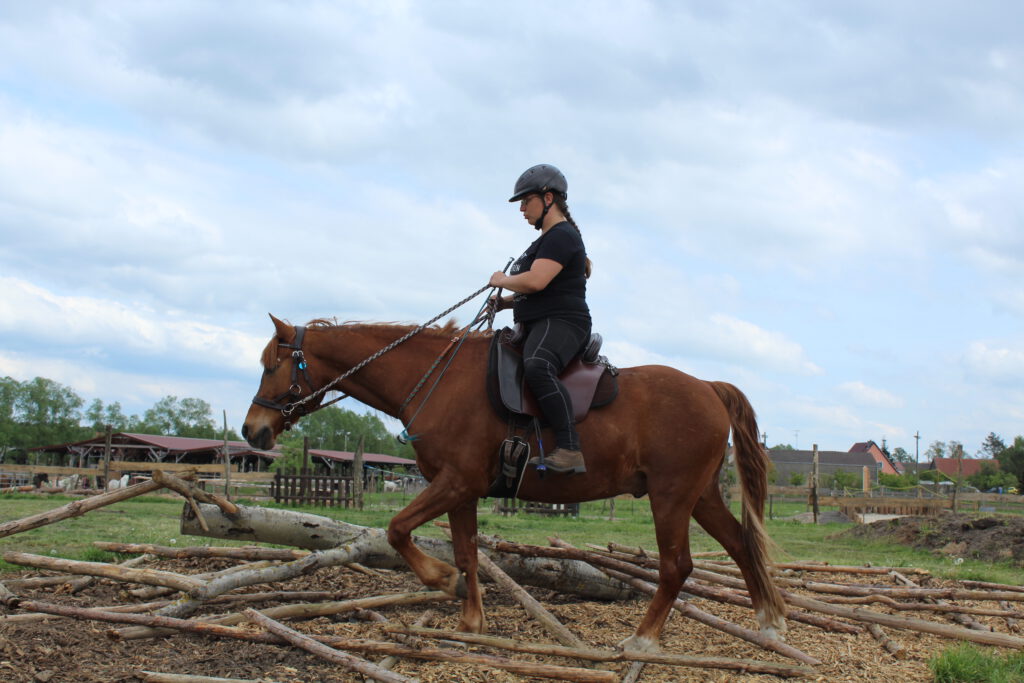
(999, 365)
(870, 396)
(33, 314)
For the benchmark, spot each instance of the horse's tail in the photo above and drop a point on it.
(753, 463)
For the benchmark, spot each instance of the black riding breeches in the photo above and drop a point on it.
(550, 344)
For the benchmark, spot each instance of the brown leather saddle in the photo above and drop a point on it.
(589, 378)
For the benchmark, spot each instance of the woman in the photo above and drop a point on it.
(550, 285)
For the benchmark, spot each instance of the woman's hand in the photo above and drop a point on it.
(498, 303)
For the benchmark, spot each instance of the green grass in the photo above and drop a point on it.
(967, 663)
(153, 519)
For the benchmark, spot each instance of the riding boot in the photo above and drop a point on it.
(563, 460)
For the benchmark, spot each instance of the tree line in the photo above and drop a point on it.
(42, 412)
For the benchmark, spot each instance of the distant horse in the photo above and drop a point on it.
(664, 436)
(118, 483)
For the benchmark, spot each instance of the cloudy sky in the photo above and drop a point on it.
(813, 201)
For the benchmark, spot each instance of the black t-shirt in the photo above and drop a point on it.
(566, 294)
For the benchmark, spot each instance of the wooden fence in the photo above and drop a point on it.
(312, 489)
(511, 506)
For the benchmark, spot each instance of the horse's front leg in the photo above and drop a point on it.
(463, 521)
(441, 496)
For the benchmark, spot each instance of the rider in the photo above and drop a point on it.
(550, 285)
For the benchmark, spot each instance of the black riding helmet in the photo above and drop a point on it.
(538, 180)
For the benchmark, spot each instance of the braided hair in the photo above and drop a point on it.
(564, 208)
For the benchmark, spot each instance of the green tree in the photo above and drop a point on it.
(98, 417)
(897, 481)
(339, 429)
(187, 417)
(937, 449)
(782, 447)
(1011, 460)
(38, 412)
(989, 476)
(841, 479)
(797, 479)
(992, 446)
(900, 455)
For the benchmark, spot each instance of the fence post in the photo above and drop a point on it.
(357, 475)
(106, 456)
(227, 460)
(814, 484)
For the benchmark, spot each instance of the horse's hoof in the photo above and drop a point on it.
(467, 627)
(637, 643)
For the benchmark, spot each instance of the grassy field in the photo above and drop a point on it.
(154, 519)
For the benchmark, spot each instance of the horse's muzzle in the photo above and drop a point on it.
(263, 438)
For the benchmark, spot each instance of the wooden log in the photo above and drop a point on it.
(150, 592)
(868, 616)
(1007, 612)
(48, 581)
(601, 655)
(35, 617)
(993, 586)
(76, 508)
(286, 527)
(194, 493)
(1011, 622)
(688, 610)
(6, 596)
(633, 674)
(628, 569)
(892, 621)
(150, 577)
(371, 615)
(308, 610)
(956, 615)
(204, 551)
(350, 662)
(699, 615)
(894, 648)
(18, 489)
(159, 677)
(532, 606)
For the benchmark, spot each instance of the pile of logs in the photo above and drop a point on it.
(167, 601)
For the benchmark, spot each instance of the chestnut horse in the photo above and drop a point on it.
(664, 436)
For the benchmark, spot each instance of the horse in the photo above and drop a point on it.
(665, 436)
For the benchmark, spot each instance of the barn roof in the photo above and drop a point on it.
(187, 444)
(795, 457)
(970, 467)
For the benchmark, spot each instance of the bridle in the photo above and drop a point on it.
(288, 403)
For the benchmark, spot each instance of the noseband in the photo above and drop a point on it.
(287, 402)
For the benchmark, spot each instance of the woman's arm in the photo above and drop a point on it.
(539, 276)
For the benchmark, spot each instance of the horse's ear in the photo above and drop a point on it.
(284, 330)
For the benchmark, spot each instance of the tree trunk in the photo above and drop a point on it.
(287, 527)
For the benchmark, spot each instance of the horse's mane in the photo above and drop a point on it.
(449, 329)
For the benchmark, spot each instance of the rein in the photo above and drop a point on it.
(298, 406)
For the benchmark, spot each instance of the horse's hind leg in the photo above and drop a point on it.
(714, 516)
(463, 521)
(672, 529)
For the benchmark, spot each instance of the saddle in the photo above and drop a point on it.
(589, 378)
